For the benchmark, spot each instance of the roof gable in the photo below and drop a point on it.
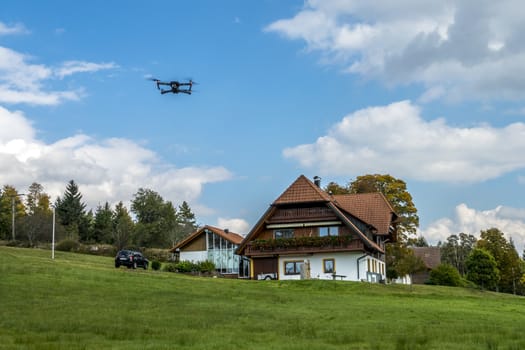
(232, 237)
(302, 190)
(370, 208)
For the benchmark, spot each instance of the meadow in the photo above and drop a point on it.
(82, 302)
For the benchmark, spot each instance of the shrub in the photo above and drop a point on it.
(189, 266)
(162, 255)
(68, 245)
(19, 244)
(445, 275)
(155, 265)
(186, 266)
(206, 266)
(171, 267)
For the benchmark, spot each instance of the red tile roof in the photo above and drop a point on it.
(372, 208)
(302, 190)
(227, 235)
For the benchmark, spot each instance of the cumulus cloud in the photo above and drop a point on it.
(106, 170)
(239, 226)
(510, 221)
(463, 49)
(395, 139)
(24, 82)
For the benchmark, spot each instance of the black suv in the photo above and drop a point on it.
(131, 259)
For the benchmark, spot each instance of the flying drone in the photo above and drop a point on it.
(174, 86)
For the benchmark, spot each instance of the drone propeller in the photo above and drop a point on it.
(155, 80)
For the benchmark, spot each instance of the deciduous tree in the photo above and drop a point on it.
(9, 196)
(456, 250)
(401, 261)
(445, 275)
(507, 259)
(482, 269)
(37, 224)
(155, 219)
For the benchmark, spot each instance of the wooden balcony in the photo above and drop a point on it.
(302, 214)
(303, 245)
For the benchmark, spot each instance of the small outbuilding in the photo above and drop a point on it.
(431, 257)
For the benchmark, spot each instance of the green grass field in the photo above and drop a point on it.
(83, 302)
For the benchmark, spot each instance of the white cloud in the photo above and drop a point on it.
(23, 82)
(510, 221)
(106, 170)
(239, 226)
(72, 67)
(13, 29)
(467, 49)
(395, 139)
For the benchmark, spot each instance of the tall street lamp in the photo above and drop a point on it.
(53, 240)
(13, 196)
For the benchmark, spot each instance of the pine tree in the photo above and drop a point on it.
(103, 224)
(186, 223)
(71, 211)
(123, 227)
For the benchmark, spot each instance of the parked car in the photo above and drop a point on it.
(131, 259)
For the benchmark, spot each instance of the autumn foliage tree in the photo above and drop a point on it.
(395, 191)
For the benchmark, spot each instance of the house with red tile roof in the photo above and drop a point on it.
(213, 244)
(309, 233)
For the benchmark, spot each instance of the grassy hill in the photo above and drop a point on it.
(83, 302)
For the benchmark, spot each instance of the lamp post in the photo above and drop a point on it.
(53, 239)
(13, 196)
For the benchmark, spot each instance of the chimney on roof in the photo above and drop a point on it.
(226, 230)
(317, 181)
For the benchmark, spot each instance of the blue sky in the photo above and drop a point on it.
(432, 94)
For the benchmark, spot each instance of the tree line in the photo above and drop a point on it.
(151, 221)
(491, 262)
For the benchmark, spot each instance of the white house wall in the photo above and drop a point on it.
(346, 264)
(195, 256)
